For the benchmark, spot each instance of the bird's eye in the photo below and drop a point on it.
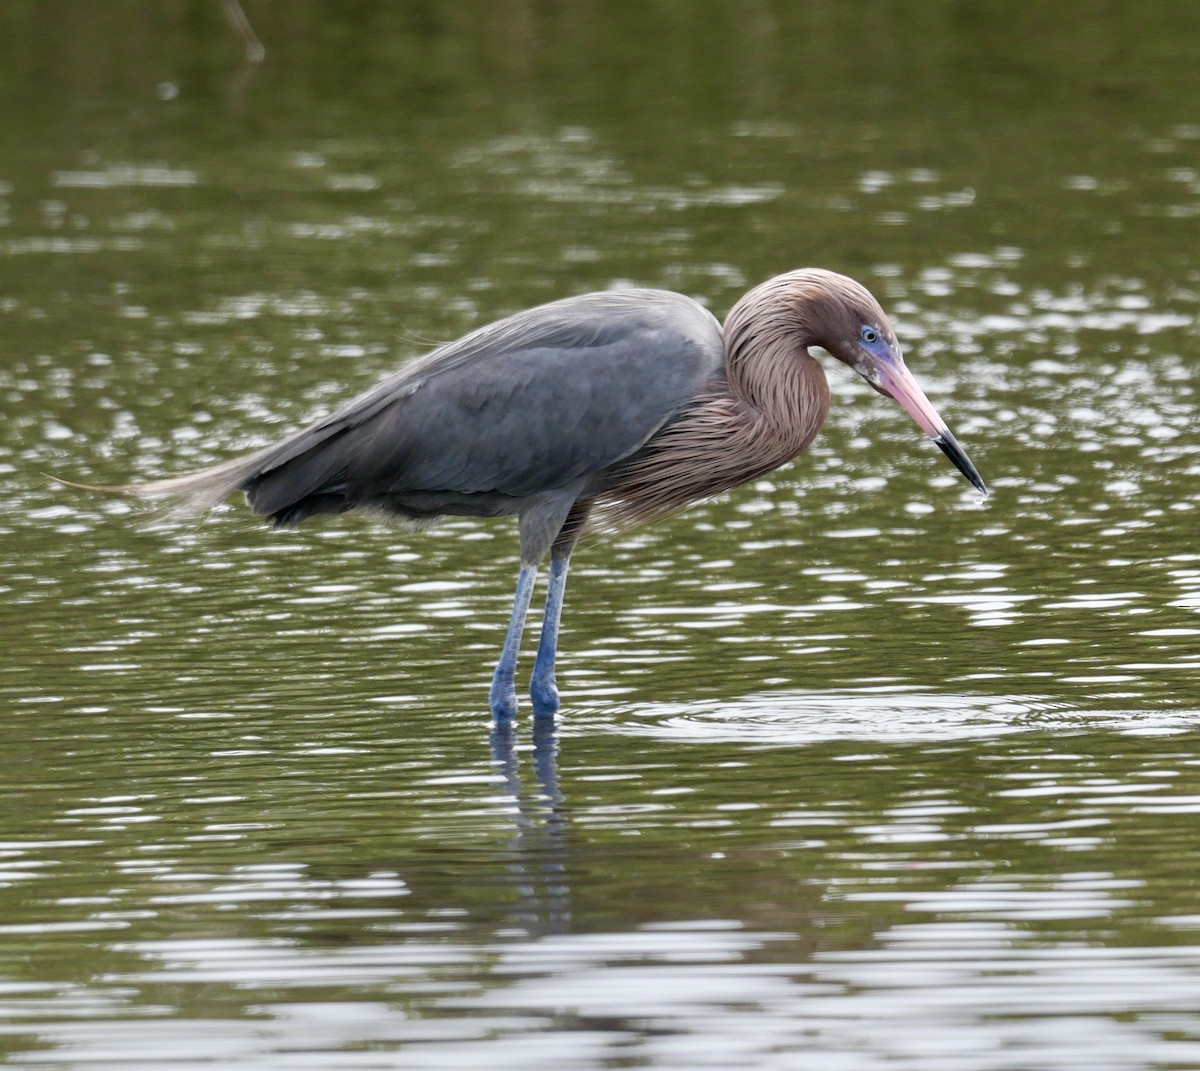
(869, 335)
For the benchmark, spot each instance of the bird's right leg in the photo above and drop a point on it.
(543, 689)
(503, 696)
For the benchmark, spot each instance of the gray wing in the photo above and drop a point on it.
(526, 404)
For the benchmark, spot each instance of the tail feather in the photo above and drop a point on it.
(193, 492)
(197, 492)
(279, 479)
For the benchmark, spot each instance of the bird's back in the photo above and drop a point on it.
(537, 401)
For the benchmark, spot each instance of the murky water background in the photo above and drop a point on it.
(853, 771)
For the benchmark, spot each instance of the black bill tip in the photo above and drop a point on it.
(949, 446)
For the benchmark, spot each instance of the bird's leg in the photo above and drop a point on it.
(547, 523)
(542, 687)
(503, 695)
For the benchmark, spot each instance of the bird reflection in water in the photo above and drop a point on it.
(538, 845)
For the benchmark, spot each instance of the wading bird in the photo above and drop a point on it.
(624, 406)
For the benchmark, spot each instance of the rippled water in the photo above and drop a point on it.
(854, 769)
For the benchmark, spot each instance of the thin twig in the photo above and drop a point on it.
(236, 18)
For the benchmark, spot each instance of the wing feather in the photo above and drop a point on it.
(526, 404)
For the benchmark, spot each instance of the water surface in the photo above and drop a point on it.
(854, 769)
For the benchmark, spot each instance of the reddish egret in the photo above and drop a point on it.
(625, 405)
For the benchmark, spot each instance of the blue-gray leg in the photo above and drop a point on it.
(542, 688)
(503, 696)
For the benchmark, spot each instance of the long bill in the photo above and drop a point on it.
(896, 381)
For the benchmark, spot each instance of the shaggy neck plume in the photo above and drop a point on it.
(767, 408)
(767, 335)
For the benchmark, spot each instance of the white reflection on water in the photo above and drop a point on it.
(954, 995)
(884, 714)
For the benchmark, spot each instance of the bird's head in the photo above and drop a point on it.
(843, 317)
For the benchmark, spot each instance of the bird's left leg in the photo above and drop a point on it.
(543, 689)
